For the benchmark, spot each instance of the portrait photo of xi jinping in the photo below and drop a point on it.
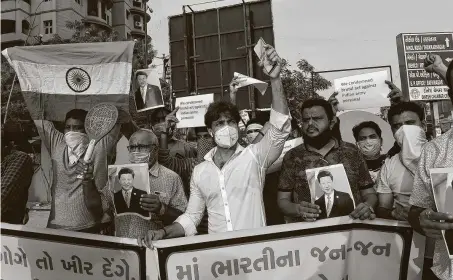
(127, 184)
(442, 184)
(148, 92)
(331, 191)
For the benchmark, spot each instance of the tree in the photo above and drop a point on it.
(299, 85)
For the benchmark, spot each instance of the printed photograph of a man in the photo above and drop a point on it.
(333, 203)
(442, 184)
(148, 94)
(128, 183)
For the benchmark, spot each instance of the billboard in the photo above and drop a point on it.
(207, 47)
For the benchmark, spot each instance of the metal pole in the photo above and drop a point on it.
(9, 99)
(145, 19)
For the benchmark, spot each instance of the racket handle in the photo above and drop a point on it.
(90, 150)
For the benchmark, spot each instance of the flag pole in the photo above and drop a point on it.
(9, 98)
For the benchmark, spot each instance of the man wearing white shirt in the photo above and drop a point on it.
(229, 183)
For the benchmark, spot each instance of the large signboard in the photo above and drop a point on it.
(208, 46)
(343, 250)
(412, 51)
(57, 255)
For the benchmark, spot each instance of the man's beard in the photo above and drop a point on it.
(319, 141)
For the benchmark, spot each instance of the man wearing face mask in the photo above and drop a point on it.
(253, 129)
(423, 215)
(229, 183)
(368, 136)
(166, 200)
(78, 204)
(395, 181)
(322, 148)
(177, 147)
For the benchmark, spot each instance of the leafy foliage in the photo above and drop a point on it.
(299, 85)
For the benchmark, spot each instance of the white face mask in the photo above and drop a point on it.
(139, 157)
(226, 137)
(252, 135)
(77, 143)
(370, 148)
(410, 138)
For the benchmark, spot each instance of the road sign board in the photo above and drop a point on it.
(412, 51)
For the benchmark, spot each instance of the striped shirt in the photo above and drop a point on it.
(169, 184)
(17, 172)
(68, 209)
(436, 154)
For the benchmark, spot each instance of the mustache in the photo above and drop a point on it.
(312, 127)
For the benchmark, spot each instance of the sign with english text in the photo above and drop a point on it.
(41, 256)
(412, 51)
(362, 91)
(347, 250)
(192, 110)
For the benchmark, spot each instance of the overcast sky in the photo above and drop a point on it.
(330, 34)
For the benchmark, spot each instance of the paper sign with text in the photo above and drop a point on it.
(32, 259)
(362, 91)
(351, 254)
(261, 53)
(192, 109)
(244, 81)
(277, 165)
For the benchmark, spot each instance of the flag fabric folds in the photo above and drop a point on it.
(57, 78)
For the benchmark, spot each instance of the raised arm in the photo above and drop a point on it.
(271, 146)
(49, 134)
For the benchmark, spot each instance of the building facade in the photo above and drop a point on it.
(43, 19)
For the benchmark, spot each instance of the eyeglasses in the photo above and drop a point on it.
(141, 148)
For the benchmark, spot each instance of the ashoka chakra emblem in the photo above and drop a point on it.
(78, 79)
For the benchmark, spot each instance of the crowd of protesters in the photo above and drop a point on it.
(222, 186)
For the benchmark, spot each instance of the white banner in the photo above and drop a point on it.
(30, 258)
(362, 91)
(192, 109)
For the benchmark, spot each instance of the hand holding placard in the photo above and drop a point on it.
(269, 59)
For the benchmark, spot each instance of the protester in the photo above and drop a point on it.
(230, 182)
(368, 136)
(76, 206)
(166, 200)
(423, 215)
(17, 172)
(253, 128)
(321, 149)
(395, 181)
(177, 147)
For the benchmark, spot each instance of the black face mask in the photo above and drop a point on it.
(319, 141)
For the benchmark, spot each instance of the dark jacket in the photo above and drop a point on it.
(342, 205)
(121, 206)
(153, 97)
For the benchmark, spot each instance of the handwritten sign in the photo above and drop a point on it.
(362, 91)
(37, 259)
(192, 109)
(342, 254)
(277, 165)
(244, 81)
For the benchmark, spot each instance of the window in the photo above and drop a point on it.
(48, 27)
(25, 27)
(129, 36)
(103, 13)
(137, 3)
(79, 2)
(93, 8)
(127, 14)
(26, 1)
(47, 0)
(8, 26)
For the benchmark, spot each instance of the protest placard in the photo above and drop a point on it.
(55, 255)
(261, 53)
(362, 91)
(192, 109)
(277, 165)
(337, 248)
(244, 81)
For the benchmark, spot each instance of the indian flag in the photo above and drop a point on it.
(55, 79)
